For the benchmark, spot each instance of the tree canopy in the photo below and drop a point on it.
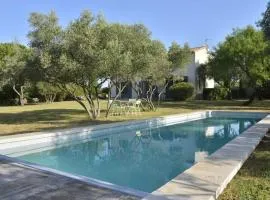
(264, 23)
(90, 51)
(13, 67)
(179, 56)
(242, 56)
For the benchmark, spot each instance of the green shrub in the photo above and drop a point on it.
(61, 96)
(105, 90)
(265, 91)
(181, 91)
(7, 95)
(217, 93)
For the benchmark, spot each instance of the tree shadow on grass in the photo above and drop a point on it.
(67, 118)
(38, 116)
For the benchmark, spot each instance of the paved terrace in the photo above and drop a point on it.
(23, 183)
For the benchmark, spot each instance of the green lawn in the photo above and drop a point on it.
(30, 118)
(252, 181)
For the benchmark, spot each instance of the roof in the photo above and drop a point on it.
(199, 48)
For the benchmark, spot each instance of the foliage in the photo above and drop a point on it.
(89, 52)
(217, 93)
(242, 56)
(7, 95)
(162, 65)
(13, 67)
(201, 75)
(179, 56)
(156, 73)
(48, 91)
(104, 93)
(264, 23)
(181, 91)
(70, 57)
(266, 90)
(126, 55)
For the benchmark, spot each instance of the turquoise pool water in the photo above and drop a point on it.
(144, 159)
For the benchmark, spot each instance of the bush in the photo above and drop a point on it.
(105, 90)
(265, 91)
(104, 93)
(181, 91)
(239, 93)
(61, 96)
(7, 95)
(217, 93)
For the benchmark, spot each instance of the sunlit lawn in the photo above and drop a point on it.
(252, 182)
(31, 118)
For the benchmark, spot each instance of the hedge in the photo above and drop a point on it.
(181, 91)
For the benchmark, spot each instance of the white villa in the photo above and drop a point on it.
(200, 56)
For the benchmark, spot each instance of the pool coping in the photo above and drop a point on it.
(182, 186)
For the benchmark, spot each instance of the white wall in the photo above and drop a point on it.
(113, 91)
(200, 56)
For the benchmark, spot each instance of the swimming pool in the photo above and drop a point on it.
(141, 156)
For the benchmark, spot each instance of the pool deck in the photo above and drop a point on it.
(24, 183)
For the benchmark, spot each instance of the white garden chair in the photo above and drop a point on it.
(138, 106)
(116, 108)
(133, 106)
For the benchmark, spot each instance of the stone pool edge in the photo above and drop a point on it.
(207, 179)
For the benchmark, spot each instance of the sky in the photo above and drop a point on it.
(192, 21)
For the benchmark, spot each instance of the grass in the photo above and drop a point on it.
(253, 179)
(31, 118)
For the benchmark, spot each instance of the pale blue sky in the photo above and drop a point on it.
(190, 21)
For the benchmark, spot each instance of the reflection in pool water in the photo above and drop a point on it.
(144, 159)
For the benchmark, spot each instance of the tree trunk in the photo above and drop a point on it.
(256, 93)
(149, 97)
(161, 92)
(90, 115)
(53, 98)
(21, 101)
(229, 95)
(72, 93)
(21, 95)
(98, 104)
(109, 106)
(251, 98)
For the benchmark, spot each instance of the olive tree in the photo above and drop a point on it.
(70, 57)
(156, 73)
(179, 56)
(125, 55)
(48, 91)
(13, 67)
